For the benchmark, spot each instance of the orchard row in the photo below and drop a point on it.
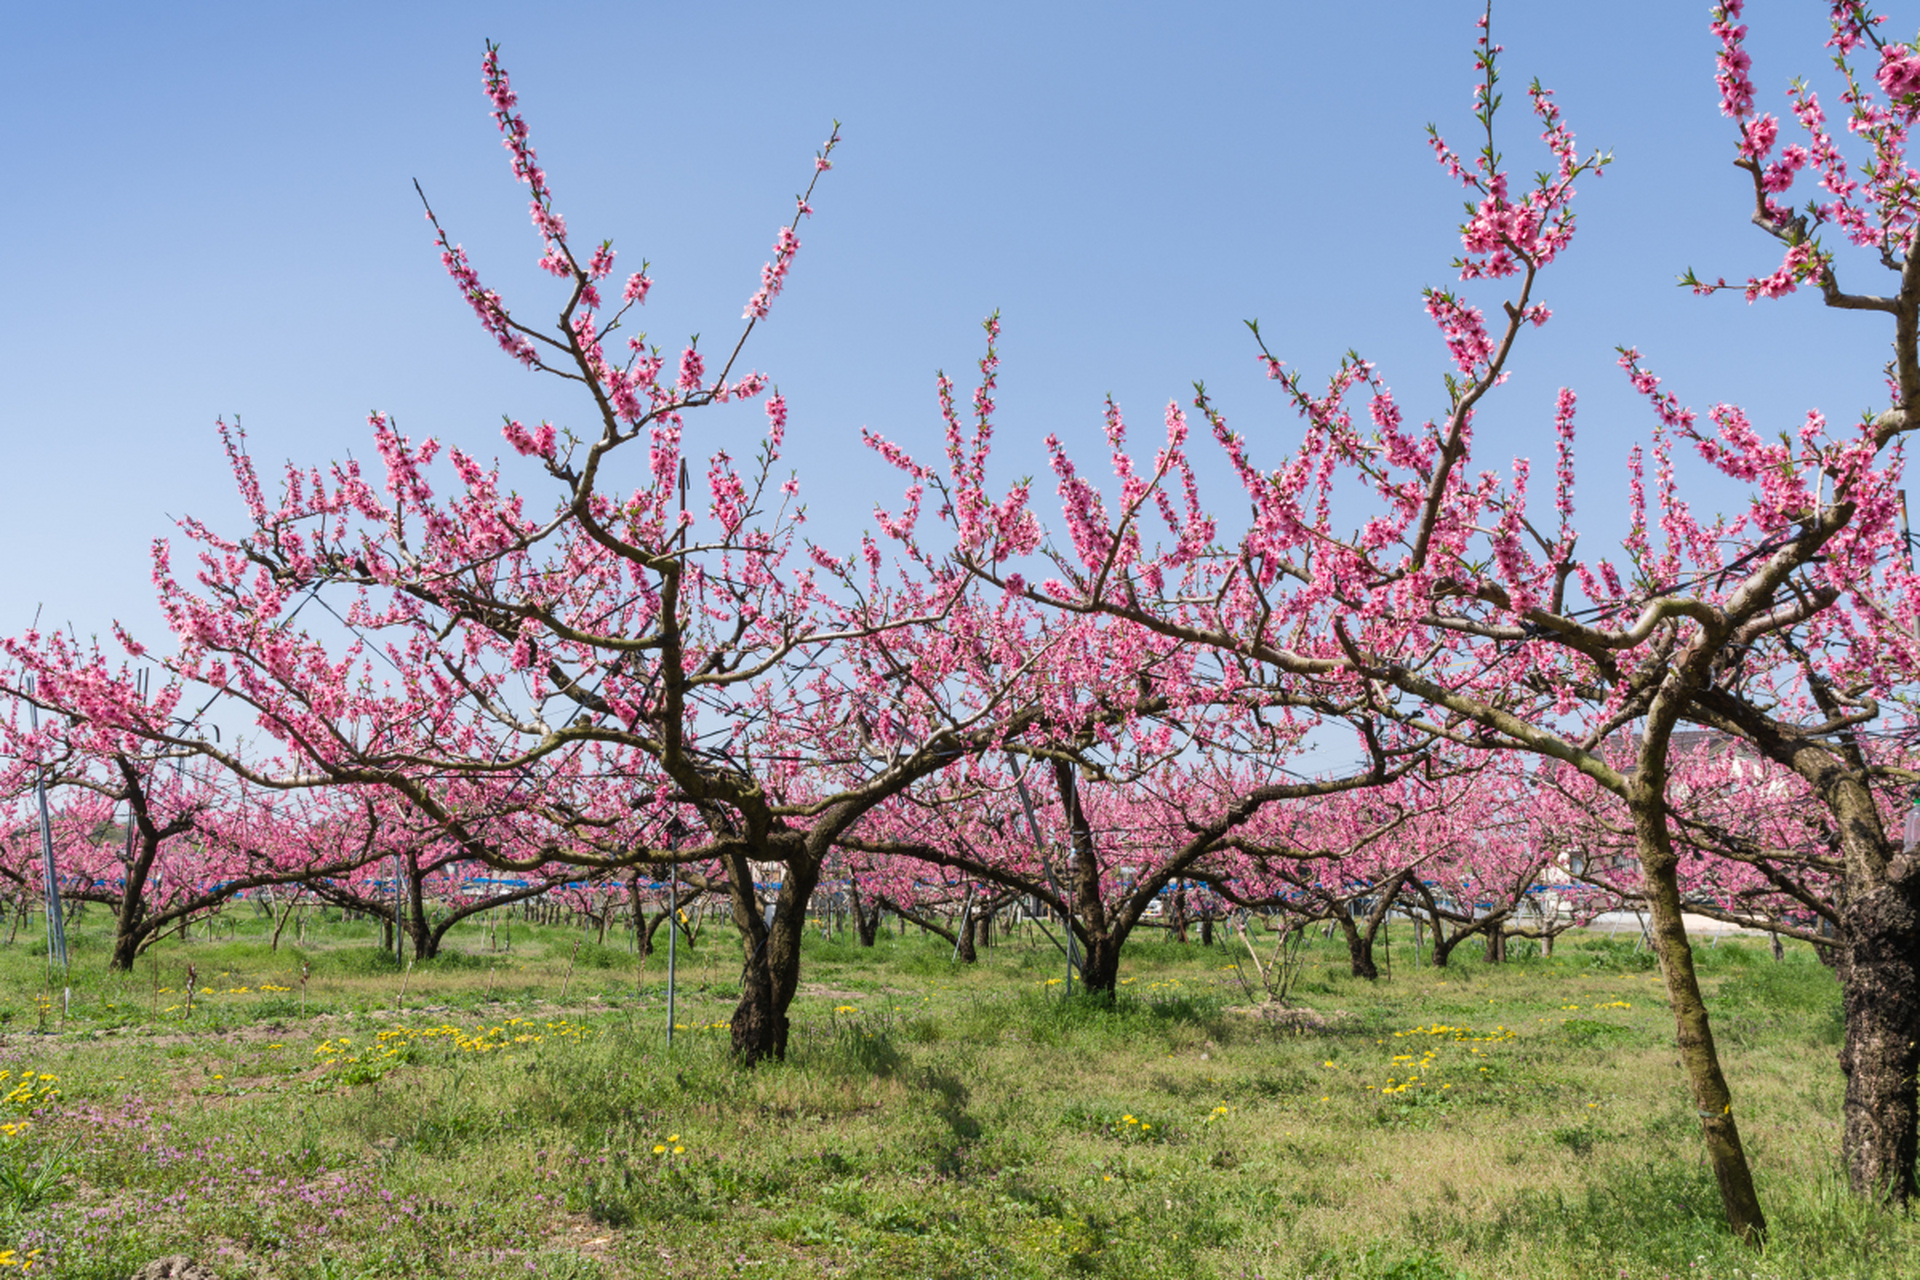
(431, 680)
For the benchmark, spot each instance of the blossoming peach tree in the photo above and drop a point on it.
(603, 679)
(162, 838)
(1462, 611)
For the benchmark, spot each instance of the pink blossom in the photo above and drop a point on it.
(1899, 71)
(693, 367)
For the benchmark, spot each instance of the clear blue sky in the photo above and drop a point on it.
(213, 212)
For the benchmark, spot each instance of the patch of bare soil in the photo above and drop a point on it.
(1295, 1017)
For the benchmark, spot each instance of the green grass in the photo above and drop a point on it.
(932, 1120)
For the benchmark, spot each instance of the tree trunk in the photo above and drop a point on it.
(129, 918)
(1359, 947)
(1180, 914)
(1496, 944)
(1442, 945)
(866, 924)
(968, 935)
(647, 944)
(771, 974)
(1100, 966)
(1099, 972)
(1712, 1100)
(1206, 929)
(127, 932)
(127, 939)
(1878, 955)
(293, 901)
(424, 937)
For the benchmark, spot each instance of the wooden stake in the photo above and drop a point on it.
(569, 979)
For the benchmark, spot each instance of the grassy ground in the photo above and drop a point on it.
(520, 1114)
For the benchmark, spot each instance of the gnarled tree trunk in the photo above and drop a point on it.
(1359, 947)
(1713, 1101)
(1100, 965)
(770, 974)
(1878, 964)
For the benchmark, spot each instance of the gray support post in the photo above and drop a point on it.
(673, 939)
(56, 918)
(959, 931)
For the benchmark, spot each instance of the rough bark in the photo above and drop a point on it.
(1878, 964)
(1443, 941)
(865, 923)
(1359, 947)
(1100, 965)
(424, 938)
(1880, 945)
(1713, 1101)
(647, 944)
(770, 974)
(1876, 924)
(1360, 933)
(1100, 940)
(128, 937)
(133, 927)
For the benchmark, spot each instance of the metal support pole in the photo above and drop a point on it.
(959, 931)
(56, 918)
(1033, 826)
(1072, 947)
(399, 903)
(673, 938)
(1906, 534)
(126, 860)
